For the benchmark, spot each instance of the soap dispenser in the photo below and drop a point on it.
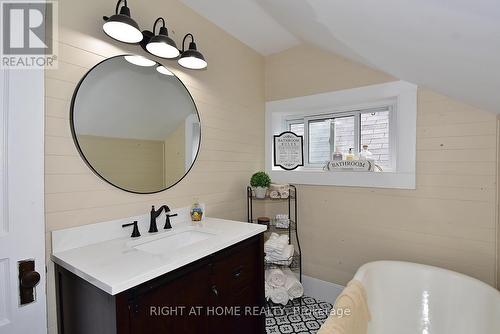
(337, 156)
(350, 156)
(196, 212)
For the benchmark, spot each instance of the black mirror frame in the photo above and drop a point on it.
(82, 155)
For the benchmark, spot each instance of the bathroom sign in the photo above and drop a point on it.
(288, 150)
(351, 165)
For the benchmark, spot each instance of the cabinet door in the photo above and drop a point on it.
(176, 306)
(237, 291)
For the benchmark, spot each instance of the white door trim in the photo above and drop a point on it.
(22, 224)
(4, 189)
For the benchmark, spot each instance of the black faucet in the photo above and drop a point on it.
(135, 231)
(155, 214)
(167, 221)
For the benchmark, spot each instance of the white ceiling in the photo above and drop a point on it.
(247, 21)
(451, 46)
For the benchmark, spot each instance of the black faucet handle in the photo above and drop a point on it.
(167, 221)
(135, 231)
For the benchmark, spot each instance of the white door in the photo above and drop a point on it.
(22, 231)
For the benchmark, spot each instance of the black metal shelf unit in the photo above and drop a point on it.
(295, 261)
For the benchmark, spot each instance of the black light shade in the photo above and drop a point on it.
(191, 58)
(162, 45)
(121, 26)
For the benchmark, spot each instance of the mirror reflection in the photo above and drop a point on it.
(135, 124)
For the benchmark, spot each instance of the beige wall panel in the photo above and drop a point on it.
(456, 168)
(56, 108)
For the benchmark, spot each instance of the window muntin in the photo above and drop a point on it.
(349, 130)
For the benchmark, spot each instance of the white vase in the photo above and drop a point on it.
(260, 192)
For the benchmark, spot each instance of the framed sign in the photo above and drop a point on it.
(288, 150)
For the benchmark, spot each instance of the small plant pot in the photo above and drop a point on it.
(260, 192)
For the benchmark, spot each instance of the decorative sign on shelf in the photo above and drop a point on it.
(351, 165)
(288, 150)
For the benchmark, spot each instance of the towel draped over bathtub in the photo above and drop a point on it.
(352, 298)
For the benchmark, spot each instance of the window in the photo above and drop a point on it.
(382, 116)
(325, 134)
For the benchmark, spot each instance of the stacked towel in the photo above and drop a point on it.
(284, 257)
(282, 221)
(353, 297)
(282, 286)
(276, 243)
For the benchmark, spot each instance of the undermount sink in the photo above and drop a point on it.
(172, 242)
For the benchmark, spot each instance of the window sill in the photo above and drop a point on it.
(345, 178)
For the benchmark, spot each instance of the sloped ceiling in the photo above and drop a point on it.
(451, 46)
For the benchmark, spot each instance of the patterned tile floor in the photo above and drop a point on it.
(296, 318)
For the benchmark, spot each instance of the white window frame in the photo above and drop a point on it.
(400, 95)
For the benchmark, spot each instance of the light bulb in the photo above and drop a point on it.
(163, 70)
(140, 61)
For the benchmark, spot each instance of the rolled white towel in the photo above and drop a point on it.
(267, 290)
(284, 194)
(275, 278)
(279, 187)
(293, 285)
(274, 194)
(280, 296)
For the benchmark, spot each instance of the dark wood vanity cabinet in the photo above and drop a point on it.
(221, 293)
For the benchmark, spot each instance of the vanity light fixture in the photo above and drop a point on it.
(163, 70)
(161, 45)
(140, 61)
(191, 58)
(121, 26)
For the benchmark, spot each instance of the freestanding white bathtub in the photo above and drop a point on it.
(410, 298)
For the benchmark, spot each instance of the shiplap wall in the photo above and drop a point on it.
(229, 97)
(449, 220)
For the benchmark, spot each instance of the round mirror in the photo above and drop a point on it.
(135, 124)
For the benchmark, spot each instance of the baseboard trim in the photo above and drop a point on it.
(321, 290)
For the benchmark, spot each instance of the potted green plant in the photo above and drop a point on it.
(260, 181)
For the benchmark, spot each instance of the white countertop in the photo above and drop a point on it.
(115, 265)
